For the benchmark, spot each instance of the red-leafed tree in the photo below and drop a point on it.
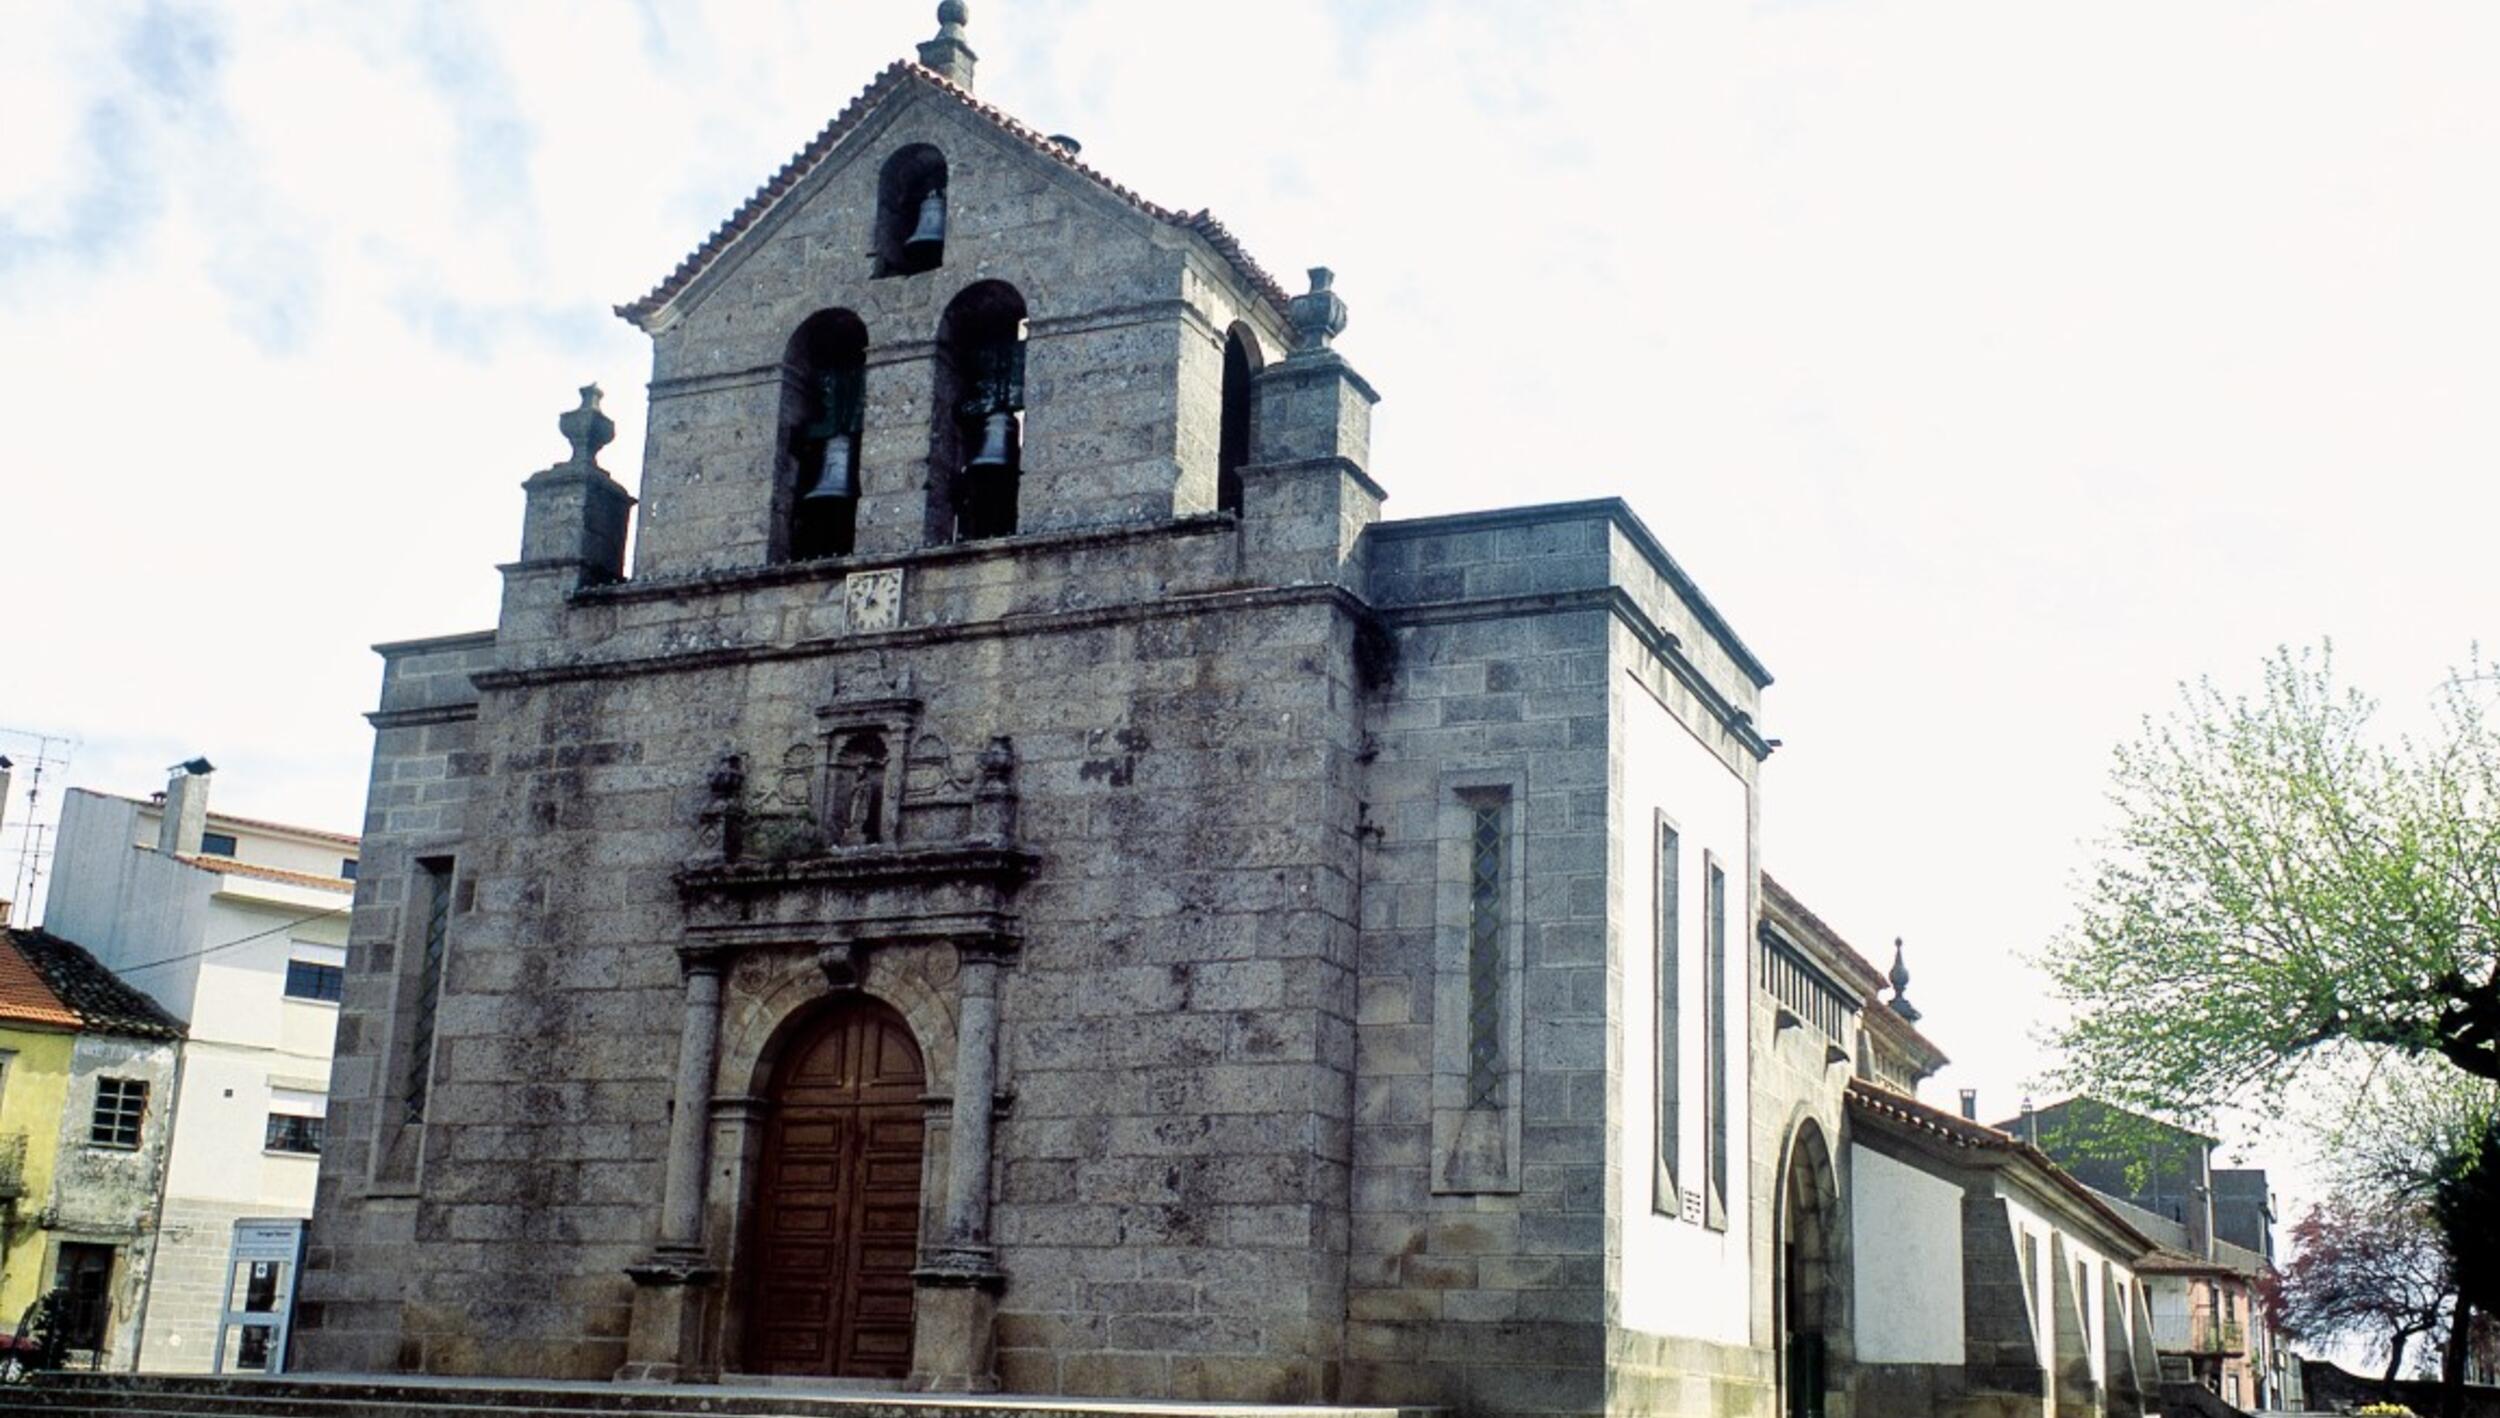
(2377, 1273)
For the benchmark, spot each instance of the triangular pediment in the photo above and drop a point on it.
(901, 82)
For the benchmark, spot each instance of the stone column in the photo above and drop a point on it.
(954, 1348)
(673, 1285)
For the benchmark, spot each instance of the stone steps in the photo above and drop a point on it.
(401, 1396)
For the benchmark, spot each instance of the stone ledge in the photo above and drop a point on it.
(425, 1396)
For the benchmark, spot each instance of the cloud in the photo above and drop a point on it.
(1992, 367)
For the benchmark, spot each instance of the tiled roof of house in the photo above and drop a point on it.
(227, 819)
(1869, 976)
(901, 72)
(1882, 1102)
(24, 997)
(2169, 1262)
(231, 867)
(97, 998)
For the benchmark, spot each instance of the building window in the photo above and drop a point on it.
(1488, 834)
(1241, 356)
(1479, 896)
(306, 980)
(121, 1105)
(217, 844)
(436, 939)
(289, 1132)
(1668, 931)
(1715, 1070)
(347, 868)
(976, 455)
(911, 212)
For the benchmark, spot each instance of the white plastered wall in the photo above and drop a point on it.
(1905, 1234)
(1680, 1277)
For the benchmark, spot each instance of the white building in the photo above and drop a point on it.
(237, 927)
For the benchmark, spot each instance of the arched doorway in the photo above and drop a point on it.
(1809, 1205)
(836, 1213)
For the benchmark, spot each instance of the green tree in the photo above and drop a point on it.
(2279, 883)
(2291, 899)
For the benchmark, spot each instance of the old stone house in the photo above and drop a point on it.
(1032, 881)
(87, 1064)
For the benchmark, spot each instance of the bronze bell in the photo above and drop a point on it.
(835, 478)
(928, 239)
(998, 448)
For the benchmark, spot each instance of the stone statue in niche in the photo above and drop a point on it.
(854, 806)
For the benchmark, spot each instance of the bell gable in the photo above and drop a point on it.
(1025, 345)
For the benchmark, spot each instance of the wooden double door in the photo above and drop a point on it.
(836, 1213)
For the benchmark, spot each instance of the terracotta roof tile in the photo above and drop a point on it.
(157, 804)
(1901, 1109)
(805, 161)
(230, 867)
(24, 997)
(99, 999)
(2169, 1262)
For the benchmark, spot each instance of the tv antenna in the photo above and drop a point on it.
(51, 753)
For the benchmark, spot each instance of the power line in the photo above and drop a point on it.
(230, 944)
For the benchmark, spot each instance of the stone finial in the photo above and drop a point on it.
(1900, 977)
(1319, 315)
(587, 429)
(948, 54)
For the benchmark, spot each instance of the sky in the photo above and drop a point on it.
(1993, 367)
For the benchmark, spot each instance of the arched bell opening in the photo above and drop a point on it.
(911, 212)
(976, 452)
(833, 1215)
(1241, 365)
(1810, 1294)
(824, 385)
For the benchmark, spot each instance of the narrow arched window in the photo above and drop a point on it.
(824, 378)
(976, 447)
(1241, 362)
(911, 212)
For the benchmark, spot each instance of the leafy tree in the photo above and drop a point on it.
(2466, 1199)
(2365, 1270)
(2289, 896)
(2280, 883)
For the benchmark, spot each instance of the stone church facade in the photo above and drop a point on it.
(1032, 882)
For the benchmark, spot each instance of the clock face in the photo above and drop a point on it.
(874, 599)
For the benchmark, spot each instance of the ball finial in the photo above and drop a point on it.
(954, 12)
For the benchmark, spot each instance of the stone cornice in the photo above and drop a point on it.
(864, 867)
(423, 714)
(834, 568)
(1045, 622)
(1619, 603)
(1620, 514)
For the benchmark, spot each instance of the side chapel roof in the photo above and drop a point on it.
(1875, 1101)
(895, 77)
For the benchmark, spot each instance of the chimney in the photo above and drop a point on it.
(2030, 1125)
(1970, 1104)
(186, 807)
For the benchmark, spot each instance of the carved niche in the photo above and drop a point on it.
(871, 831)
